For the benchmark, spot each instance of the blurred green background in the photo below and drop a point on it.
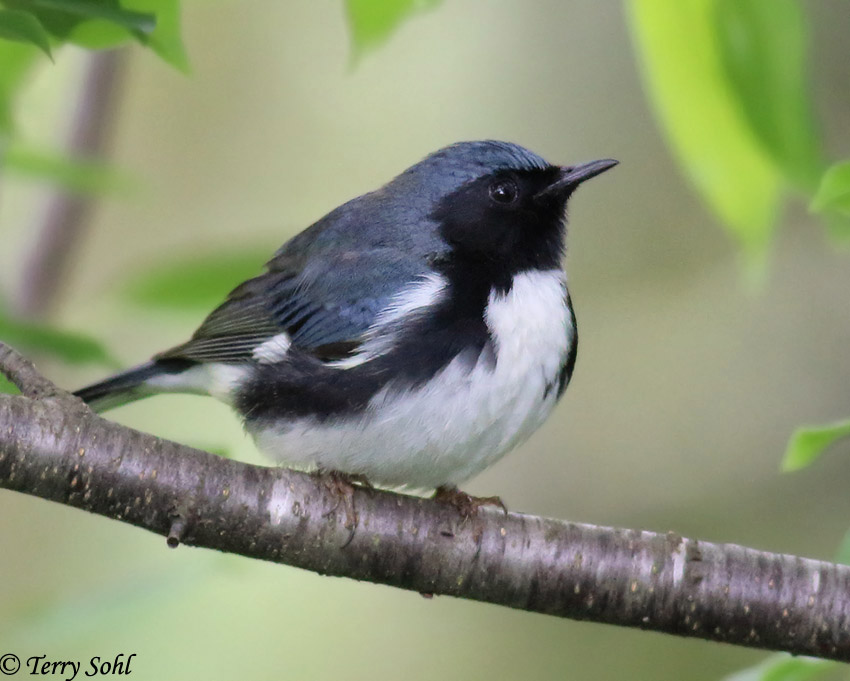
(689, 379)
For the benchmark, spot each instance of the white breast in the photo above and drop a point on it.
(463, 419)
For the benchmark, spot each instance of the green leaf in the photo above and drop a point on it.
(763, 47)
(833, 194)
(371, 22)
(198, 284)
(75, 175)
(699, 111)
(25, 28)
(784, 668)
(99, 34)
(74, 348)
(61, 16)
(809, 442)
(15, 61)
(166, 39)
(101, 24)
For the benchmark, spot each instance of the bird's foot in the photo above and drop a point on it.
(359, 480)
(466, 504)
(341, 486)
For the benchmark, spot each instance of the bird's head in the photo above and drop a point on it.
(498, 202)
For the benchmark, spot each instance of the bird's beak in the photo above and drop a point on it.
(571, 177)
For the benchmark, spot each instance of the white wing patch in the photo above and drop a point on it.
(273, 350)
(424, 293)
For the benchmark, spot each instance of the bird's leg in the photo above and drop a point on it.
(466, 504)
(360, 480)
(341, 486)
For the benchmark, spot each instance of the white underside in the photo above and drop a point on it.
(461, 421)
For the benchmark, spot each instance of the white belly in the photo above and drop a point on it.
(463, 419)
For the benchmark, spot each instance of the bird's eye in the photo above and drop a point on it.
(504, 191)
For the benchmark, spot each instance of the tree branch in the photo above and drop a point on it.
(23, 374)
(54, 447)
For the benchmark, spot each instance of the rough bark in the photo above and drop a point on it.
(54, 447)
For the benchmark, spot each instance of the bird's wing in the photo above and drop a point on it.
(324, 305)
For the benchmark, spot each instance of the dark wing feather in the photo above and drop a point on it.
(326, 304)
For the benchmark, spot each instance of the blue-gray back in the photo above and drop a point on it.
(325, 286)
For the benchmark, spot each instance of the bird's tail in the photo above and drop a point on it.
(130, 385)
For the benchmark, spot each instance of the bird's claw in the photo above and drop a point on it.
(466, 504)
(341, 487)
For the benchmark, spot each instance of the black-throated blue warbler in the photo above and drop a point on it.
(411, 337)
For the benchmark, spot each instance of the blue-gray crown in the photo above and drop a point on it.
(455, 165)
(484, 156)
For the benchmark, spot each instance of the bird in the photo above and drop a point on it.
(410, 338)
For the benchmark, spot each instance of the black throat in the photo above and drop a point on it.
(494, 241)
